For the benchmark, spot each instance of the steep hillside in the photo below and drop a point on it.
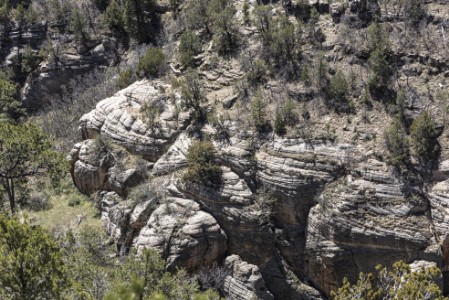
(295, 143)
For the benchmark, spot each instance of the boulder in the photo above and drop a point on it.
(89, 166)
(244, 281)
(96, 166)
(185, 235)
(142, 118)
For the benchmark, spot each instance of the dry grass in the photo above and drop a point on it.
(61, 215)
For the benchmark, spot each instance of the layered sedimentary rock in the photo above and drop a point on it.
(243, 281)
(143, 118)
(363, 219)
(293, 215)
(96, 167)
(185, 235)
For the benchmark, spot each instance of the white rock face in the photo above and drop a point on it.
(362, 220)
(175, 157)
(300, 214)
(89, 166)
(185, 235)
(244, 281)
(142, 118)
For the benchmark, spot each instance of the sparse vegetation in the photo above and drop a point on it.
(396, 142)
(258, 111)
(297, 95)
(193, 96)
(125, 78)
(189, 46)
(202, 165)
(226, 35)
(423, 136)
(338, 91)
(398, 283)
(152, 63)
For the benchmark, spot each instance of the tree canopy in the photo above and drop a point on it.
(25, 151)
(31, 265)
(399, 283)
(424, 135)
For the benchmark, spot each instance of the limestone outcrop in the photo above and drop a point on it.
(142, 118)
(315, 211)
(362, 219)
(298, 209)
(96, 167)
(184, 234)
(243, 281)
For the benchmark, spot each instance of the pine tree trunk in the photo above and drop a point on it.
(9, 186)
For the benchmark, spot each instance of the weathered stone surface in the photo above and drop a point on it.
(96, 168)
(89, 166)
(174, 158)
(361, 220)
(289, 165)
(55, 73)
(439, 203)
(185, 235)
(122, 119)
(244, 281)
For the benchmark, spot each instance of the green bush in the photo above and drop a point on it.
(31, 263)
(30, 60)
(423, 137)
(202, 165)
(79, 26)
(397, 143)
(289, 114)
(152, 63)
(38, 201)
(338, 87)
(279, 124)
(257, 72)
(226, 35)
(113, 18)
(189, 46)
(193, 95)
(284, 47)
(125, 78)
(320, 70)
(74, 202)
(258, 111)
(399, 283)
(379, 47)
(381, 70)
(377, 37)
(10, 107)
(263, 19)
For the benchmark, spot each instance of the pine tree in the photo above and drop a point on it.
(424, 137)
(25, 152)
(258, 111)
(31, 265)
(397, 143)
(138, 16)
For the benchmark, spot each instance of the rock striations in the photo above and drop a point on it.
(294, 214)
(291, 215)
